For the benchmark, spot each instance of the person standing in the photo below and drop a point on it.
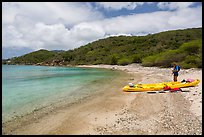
(175, 71)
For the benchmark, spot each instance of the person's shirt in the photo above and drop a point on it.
(176, 69)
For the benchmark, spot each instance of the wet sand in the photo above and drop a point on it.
(116, 112)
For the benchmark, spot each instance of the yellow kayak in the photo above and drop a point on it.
(159, 86)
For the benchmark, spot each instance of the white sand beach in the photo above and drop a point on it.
(114, 112)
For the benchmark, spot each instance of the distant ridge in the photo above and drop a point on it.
(160, 49)
(57, 50)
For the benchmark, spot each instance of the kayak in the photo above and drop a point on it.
(159, 86)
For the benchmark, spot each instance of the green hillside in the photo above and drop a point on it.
(34, 57)
(188, 55)
(151, 50)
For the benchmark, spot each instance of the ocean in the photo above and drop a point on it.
(28, 88)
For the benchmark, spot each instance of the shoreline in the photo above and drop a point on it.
(164, 73)
(118, 112)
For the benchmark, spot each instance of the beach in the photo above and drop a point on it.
(114, 112)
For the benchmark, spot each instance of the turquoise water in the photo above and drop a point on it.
(25, 88)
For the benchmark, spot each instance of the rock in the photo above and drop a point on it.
(191, 100)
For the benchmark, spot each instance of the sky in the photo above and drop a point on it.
(31, 26)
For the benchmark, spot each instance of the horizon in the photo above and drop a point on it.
(25, 30)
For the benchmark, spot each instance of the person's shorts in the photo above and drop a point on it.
(175, 74)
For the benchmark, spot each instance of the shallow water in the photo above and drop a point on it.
(26, 88)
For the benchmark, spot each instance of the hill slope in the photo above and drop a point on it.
(124, 50)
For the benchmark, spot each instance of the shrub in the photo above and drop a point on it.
(190, 59)
(186, 65)
(124, 61)
(192, 47)
(114, 59)
(149, 61)
(136, 58)
(97, 62)
(166, 58)
(194, 61)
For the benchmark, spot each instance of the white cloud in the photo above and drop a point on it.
(86, 31)
(174, 5)
(42, 24)
(152, 22)
(119, 5)
(50, 12)
(189, 17)
(39, 27)
(55, 36)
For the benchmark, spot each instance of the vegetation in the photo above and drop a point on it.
(34, 57)
(188, 55)
(161, 49)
